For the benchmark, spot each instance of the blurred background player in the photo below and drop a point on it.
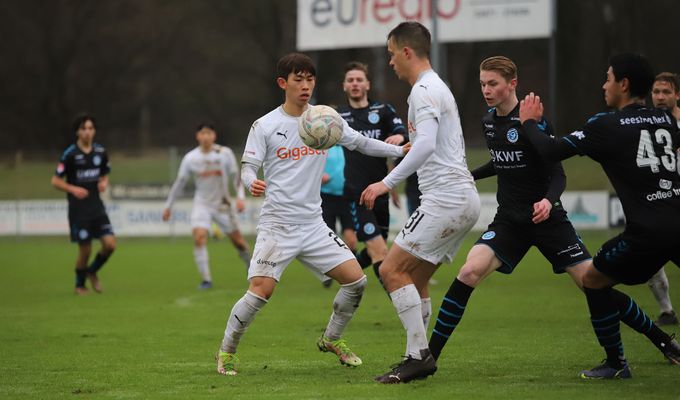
(665, 94)
(449, 204)
(377, 121)
(83, 173)
(530, 211)
(636, 147)
(334, 205)
(212, 167)
(291, 224)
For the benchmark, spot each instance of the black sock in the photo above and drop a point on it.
(97, 263)
(81, 275)
(450, 314)
(363, 258)
(376, 270)
(604, 316)
(632, 315)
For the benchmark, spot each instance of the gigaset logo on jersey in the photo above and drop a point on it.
(297, 153)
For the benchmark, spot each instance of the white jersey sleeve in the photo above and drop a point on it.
(232, 174)
(353, 140)
(256, 145)
(182, 178)
(419, 153)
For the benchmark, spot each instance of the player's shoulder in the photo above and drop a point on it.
(269, 122)
(98, 148)
(490, 115)
(222, 149)
(70, 151)
(601, 117)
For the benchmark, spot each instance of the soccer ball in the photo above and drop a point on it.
(320, 127)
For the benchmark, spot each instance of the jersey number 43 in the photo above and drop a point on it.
(646, 156)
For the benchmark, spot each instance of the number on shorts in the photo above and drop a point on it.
(337, 239)
(413, 221)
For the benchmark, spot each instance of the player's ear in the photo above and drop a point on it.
(513, 83)
(625, 85)
(283, 84)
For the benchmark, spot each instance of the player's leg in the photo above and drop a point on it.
(84, 250)
(226, 220)
(324, 252)
(241, 246)
(422, 276)
(659, 287)
(108, 243)
(201, 258)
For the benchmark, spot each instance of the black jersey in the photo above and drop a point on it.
(84, 170)
(636, 147)
(524, 178)
(377, 121)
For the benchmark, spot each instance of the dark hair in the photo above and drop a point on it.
(204, 125)
(670, 78)
(414, 35)
(294, 63)
(503, 65)
(358, 66)
(80, 120)
(636, 69)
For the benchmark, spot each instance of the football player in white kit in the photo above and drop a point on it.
(449, 203)
(212, 167)
(290, 223)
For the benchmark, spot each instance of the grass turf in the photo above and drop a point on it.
(152, 334)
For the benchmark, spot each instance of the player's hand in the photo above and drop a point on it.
(257, 188)
(530, 108)
(166, 214)
(325, 178)
(78, 192)
(405, 148)
(396, 140)
(396, 200)
(369, 194)
(240, 205)
(541, 211)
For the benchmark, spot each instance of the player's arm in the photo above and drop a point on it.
(484, 171)
(104, 173)
(255, 186)
(235, 177)
(558, 182)
(354, 140)
(60, 183)
(419, 153)
(177, 187)
(550, 149)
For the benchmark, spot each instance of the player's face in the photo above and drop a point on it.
(663, 95)
(495, 89)
(298, 87)
(397, 59)
(356, 85)
(613, 91)
(206, 137)
(86, 132)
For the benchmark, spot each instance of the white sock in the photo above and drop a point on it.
(659, 286)
(426, 311)
(245, 256)
(201, 259)
(240, 318)
(344, 305)
(407, 302)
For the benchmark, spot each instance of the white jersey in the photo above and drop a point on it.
(211, 173)
(292, 170)
(446, 170)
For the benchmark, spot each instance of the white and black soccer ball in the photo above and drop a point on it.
(320, 127)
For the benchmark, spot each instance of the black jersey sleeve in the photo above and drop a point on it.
(558, 182)
(65, 163)
(106, 168)
(591, 140)
(550, 149)
(394, 124)
(484, 171)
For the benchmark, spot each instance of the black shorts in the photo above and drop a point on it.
(632, 259)
(84, 230)
(371, 223)
(555, 238)
(334, 208)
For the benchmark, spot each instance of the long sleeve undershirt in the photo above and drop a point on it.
(420, 151)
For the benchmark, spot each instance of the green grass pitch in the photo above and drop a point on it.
(152, 334)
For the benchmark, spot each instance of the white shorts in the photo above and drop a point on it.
(435, 235)
(202, 217)
(315, 245)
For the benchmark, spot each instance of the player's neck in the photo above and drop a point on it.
(507, 106)
(676, 112)
(630, 100)
(205, 149)
(84, 147)
(419, 66)
(362, 103)
(292, 109)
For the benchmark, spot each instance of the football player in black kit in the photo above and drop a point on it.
(378, 121)
(82, 173)
(529, 209)
(636, 147)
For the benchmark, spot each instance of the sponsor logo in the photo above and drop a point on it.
(645, 120)
(397, 121)
(266, 262)
(60, 168)
(373, 117)
(665, 184)
(96, 160)
(87, 173)
(296, 153)
(578, 135)
(209, 173)
(490, 134)
(490, 126)
(371, 133)
(369, 229)
(506, 156)
(283, 134)
(489, 235)
(512, 135)
(83, 234)
(574, 249)
(659, 195)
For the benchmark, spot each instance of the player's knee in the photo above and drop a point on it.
(356, 287)
(109, 247)
(471, 274)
